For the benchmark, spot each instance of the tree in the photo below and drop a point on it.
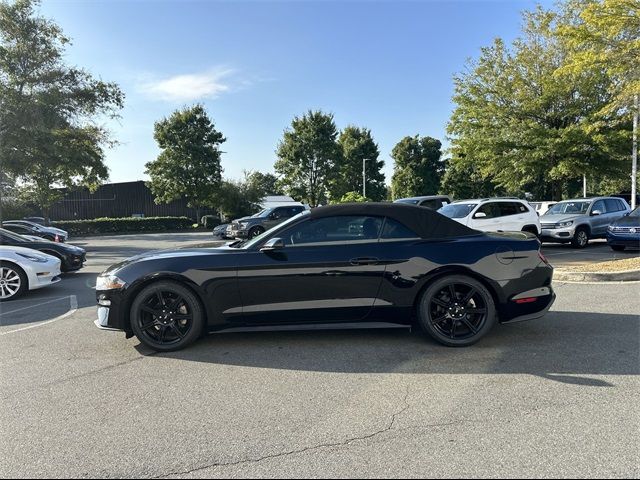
(353, 197)
(307, 157)
(357, 145)
(462, 180)
(189, 165)
(605, 34)
(258, 185)
(522, 125)
(49, 135)
(417, 169)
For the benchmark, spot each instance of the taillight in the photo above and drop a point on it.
(542, 257)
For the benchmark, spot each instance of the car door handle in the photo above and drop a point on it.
(335, 273)
(364, 261)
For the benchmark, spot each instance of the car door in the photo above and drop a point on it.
(491, 221)
(599, 223)
(328, 271)
(615, 210)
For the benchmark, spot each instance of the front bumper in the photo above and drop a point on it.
(112, 314)
(44, 274)
(557, 234)
(74, 262)
(624, 240)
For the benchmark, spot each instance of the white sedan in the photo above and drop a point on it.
(23, 269)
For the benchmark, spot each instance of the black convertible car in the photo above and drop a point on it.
(349, 264)
(72, 258)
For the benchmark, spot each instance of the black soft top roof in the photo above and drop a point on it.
(425, 222)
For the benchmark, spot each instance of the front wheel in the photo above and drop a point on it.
(13, 282)
(580, 238)
(255, 231)
(167, 316)
(457, 311)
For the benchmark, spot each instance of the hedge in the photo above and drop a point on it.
(124, 225)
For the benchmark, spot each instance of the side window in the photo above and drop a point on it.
(394, 230)
(599, 205)
(334, 229)
(612, 205)
(508, 208)
(621, 205)
(491, 210)
(432, 204)
(295, 211)
(279, 213)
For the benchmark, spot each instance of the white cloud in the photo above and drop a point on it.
(189, 87)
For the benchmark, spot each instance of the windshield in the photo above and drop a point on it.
(263, 214)
(260, 238)
(14, 237)
(568, 208)
(411, 201)
(457, 210)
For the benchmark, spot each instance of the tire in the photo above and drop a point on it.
(166, 316)
(255, 231)
(450, 322)
(13, 282)
(580, 238)
(617, 248)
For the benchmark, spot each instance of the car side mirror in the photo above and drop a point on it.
(480, 215)
(596, 212)
(272, 245)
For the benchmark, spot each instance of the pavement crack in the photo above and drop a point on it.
(348, 441)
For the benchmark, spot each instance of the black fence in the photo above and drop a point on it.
(118, 200)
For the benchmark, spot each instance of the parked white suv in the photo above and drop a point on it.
(494, 215)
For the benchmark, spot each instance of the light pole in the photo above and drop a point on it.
(364, 176)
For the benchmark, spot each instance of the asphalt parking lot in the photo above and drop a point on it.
(552, 397)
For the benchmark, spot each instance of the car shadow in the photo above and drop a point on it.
(567, 347)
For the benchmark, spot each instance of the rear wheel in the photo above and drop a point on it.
(457, 311)
(13, 282)
(167, 316)
(617, 248)
(580, 238)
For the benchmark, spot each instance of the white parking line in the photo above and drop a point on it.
(73, 301)
(32, 306)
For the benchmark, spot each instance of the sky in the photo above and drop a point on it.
(387, 66)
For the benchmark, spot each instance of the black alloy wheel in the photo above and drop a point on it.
(255, 231)
(166, 316)
(457, 311)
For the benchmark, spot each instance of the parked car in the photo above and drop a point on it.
(542, 207)
(494, 215)
(578, 220)
(22, 269)
(351, 263)
(72, 258)
(24, 227)
(625, 232)
(221, 230)
(39, 220)
(434, 202)
(250, 227)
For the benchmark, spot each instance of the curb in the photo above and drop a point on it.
(569, 276)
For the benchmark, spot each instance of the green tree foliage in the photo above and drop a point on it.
(189, 165)
(462, 180)
(418, 168)
(353, 197)
(307, 157)
(357, 144)
(259, 185)
(49, 135)
(241, 198)
(605, 34)
(523, 126)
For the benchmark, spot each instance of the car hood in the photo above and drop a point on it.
(565, 217)
(192, 251)
(8, 251)
(627, 222)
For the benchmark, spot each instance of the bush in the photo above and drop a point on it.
(124, 225)
(210, 221)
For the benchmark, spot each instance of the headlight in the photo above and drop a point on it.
(109, 282)
(244, 225)
(33, 258)
(610, 228)
(564, 224)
